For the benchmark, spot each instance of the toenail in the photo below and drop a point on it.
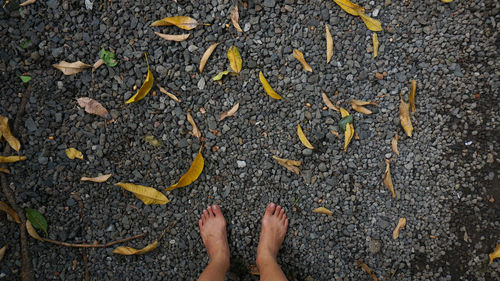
(214, 207)
(271, 205)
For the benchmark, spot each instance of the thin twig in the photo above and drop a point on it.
(79, 200)
(109, 244)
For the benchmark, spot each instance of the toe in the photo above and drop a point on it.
(204, 217)
(200, 223)
(286, 223)
(282, 214)
(270, 209)
(210, 212)
(217, 211)
(277, 211)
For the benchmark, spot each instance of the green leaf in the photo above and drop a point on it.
(343, 122)
(36, 219)
(25, 79)
(220, 75)
(25, 43)
(108, 58)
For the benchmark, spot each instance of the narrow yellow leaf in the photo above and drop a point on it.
(323, 210)
(148, 195)
(195, 132)
(401, 224)
(173, 37)
(361, 109)
(73, 153)
(411, 96)
(404, 117)
(2, 252)
(183, 22)
(145, 88)
(192, 174)
(233, 54)
(303, 138)
(5, 170)
(371, 23)
(128, 251)
(375, 44)
(7, 135)
(388, 178)
(32, 232)
(350, 7)
(235, 18)
(446, 1)
(291, 165)
(267, 87)
(11, 159)
(343, 112)
(495, 254)
(6, 208)
(170, 95)
(300, 57)
(395, 144)
(328, 103)
(102, 178)
(206, 56)
(329, 44)
(349, 129)
(230, 112)
(69, 68)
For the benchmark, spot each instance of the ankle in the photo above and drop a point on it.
(221, 260)
(264, 258)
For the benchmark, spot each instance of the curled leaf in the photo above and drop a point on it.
(220, 75)
(291, 165)
(152, 141)
(371, 23)
(350, 7)
(411, 96)
(6, 208)
(70, 68)
(233, 54)
(300, 57)
(93, 107)
(328, 103)
(108, 58)
(404, 117)
(145, 88)
(102, 178)
(11, 159)
(303, 138)
(183, 22)
(173, 37)
(495, 254)
(230, 112)
(375, 44)
(37, 219)
(170, 95)
(401, 224)
(395, 144)
(206, 56)
(388, 178)
(235, 18)
(329, 44)
(97, 64)
(128, 251)
(2, 252)
(148, 195)
(7, 134)
(323, 210)
(73, 153)
(192, 174)
(367, 270)
(32, 232)
(267, 87)
(195, 132)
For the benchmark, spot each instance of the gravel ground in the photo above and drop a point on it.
(446, 177)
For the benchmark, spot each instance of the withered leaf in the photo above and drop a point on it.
(173, 37)
(329, 44)
(291, 165)
(495, 254)
(303, 138)
(128, 251)
(401, 224)
(367, 270)
(220, 75)
(27, 2)
(233, 54)
(361, 103)
(152, 141)
(183, 22)
(328, 103)
(170, 95)
(145, 88)
(323, 210)
(7, 134)
(388, 178)
(206, 56)
(404, 117)
(235, 18)
(371, 23)
(32, 232)
(69, 68)
(5, 170)
(102, 178)
(375, 44)
(97, 64)
(361, 109)
(350, 7)
(411, 96)
(7, 209)
(11, 159)
(349, 129)
(300, 57)
(230, 112)
(93, 107)
(395, 144)
(148, 195)
(192, 174)
(269, 90)
(73, 153)
(253, 269)
(195, 132)
(446, 1)
(2, 252)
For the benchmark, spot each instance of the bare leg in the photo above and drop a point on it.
(213, 233)
(274, 225)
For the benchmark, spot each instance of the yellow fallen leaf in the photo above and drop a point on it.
(128, 251)
(32, 232)
(395, 144)
(371, 23)
(170, 95)
(233, 54)
(329, 44)
(220, 75)
(11, 159)
(404, 117)
(69, 68)
(146, 86)
(446, 1)
(73, 153)
(350, 7)
(102, 178)
(495, 254)
(26, 3)
(152, 141)
(349, 129)
(183, 22)
(411, 96)
(5, 170)
(361, 103)
(303, 138)
(267, 87)
(388, 178)
(7, 135)
(361, 109)
(173, 37)
(291, 165)
(230, 112)
(235, 18)
(375, 44)
(367, 269)
(401, 224)
(328, 103)
(148, 195)
(323, 210)
(6, 208)
(192, 174)
(206, 56)
(300, 57)
(195, 132)
(2, 252)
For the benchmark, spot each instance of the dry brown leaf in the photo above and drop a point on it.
(2, 252)
(367, 270)
(206, 56)
(102, 178)
(375, 44)
(11, 159)
(411, 96)
(97, 64)
(173, 37)
(335, 133)
(362, 103)
(300, 57)
(253, 269)
(230, 112)
(32, 232)
(195, 132)
(170, 95)
(388, 178)
(27, 2)
(404, 117)
(7, 209)
(183, 22)
(291, 165)
(5, 170)
(70, 68)
(269, 90)
(73, 153)
(401, 224)
(495, 254)
(93, 107)
(146, 194)
(329, 44)
(395, 144)
(328, 103)
(192, 174)
(361, 109)
(7, 134)
(303, 137)
(235, 17)
(323, 210)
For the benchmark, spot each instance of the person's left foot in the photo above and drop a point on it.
(213, 233)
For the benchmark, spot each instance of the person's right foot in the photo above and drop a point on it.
(274, 225)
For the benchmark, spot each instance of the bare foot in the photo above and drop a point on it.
(274, 225)
(213, 233)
